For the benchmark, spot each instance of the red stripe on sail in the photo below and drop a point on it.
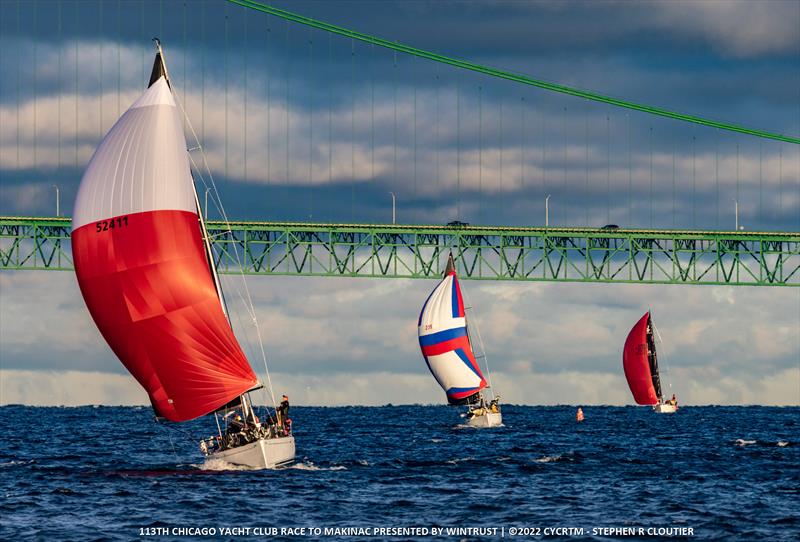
(148, 287)
(637, 366)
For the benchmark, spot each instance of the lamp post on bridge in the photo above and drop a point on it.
(736, 212)
(58, 200)
(394, 215)
(547, 211)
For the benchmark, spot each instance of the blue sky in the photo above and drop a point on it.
(298, 124)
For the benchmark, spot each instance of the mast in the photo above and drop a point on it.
(652, 357)
(159, 71)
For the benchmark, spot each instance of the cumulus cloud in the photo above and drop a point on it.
(345, 341)
(735, 28)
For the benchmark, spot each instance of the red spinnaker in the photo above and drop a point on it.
(148, 287)
(143, 268)
(637, 365)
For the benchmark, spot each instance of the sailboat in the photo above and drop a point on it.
(640, 361)
(446, 345)
(145, 269)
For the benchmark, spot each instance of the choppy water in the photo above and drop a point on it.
(104, 473)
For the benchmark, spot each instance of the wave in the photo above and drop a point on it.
(549, 459)
(309, 465)
(750, 442)
(219, 465)
(15, 463)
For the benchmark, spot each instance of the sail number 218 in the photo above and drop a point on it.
(105, 225)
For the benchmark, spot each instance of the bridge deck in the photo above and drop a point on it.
(482, 252)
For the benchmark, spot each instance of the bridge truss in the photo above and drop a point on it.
(481, 252)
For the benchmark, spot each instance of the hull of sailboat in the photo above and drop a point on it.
(261, 454)
(487, 419)
(664, 408)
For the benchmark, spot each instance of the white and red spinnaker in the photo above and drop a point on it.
(143, 269)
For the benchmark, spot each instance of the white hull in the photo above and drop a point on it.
(487, 419)
(261, 454)
(665, 408)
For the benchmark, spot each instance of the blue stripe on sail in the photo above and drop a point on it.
(442, 336)
(453, 391)
(459, 390)
(454, 298)
(467, 362)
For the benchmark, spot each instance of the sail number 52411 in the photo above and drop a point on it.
(105, 225)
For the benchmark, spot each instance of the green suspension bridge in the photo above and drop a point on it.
(601, 255)
(507, 253)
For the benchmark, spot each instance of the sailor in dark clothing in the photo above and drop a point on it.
(236, 425)
(283, 411)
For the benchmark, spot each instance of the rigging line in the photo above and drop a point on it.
(518, 78)
(249, 300)
(480, 341)
(661, 358)
(172, 445)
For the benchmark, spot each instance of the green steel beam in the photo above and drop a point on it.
(516, 77)
(482, 253)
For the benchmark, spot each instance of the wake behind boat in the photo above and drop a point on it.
(640, 362)
(446, 345)
(145, 269)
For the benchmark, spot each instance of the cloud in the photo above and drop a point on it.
(344, 341)
(734, 28)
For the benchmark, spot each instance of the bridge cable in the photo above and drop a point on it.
(518, 78)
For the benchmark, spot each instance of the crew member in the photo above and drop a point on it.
(236, 425)
(283, 411)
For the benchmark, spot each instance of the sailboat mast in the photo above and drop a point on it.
(653, 357)
(159, 70)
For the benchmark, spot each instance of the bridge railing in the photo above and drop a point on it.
(482, 253)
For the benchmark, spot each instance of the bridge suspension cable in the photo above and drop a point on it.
(518, 78)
